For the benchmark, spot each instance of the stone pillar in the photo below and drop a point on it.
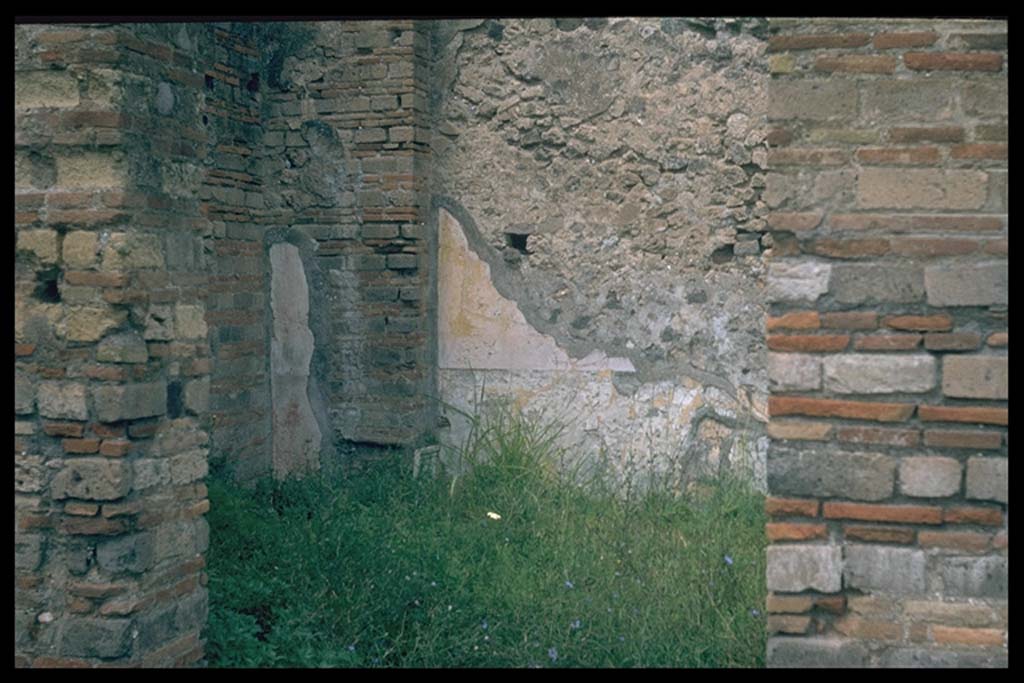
(887, 471)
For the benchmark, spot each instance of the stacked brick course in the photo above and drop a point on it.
(887, 472)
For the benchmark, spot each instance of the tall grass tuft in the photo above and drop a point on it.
(518, 559)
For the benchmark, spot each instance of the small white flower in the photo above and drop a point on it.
(494, 515)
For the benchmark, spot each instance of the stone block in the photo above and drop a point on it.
(866, 373)
(130, 401)
(884, 569)
(62, 400)
(976, 284)
(41, 243)
(794, 372)
(799, 281)
(132, 554)
(815, 653)
(89, 323)
(977, 577)
(159, 323)
(103, 638)
(130, 250)
(815, 99)
(190, 321)
(795, 568)
(149, 472)
(188, 467)
(80, 249)
(929, 477)
(197, 396)
(90, 170)
(126, 347)
(988, 479)
(854, 283)
(30, 474)
(988, 96)
(918, 99)
(911, 188)
(857, 476)
(49, 88)
(24, 394)
(919, 658)
(28, 551)
(92, 479)
(976, 377)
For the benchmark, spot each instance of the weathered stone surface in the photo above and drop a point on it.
(89, 170)
(159, 323)
(106, 638)
(28, 551)
(929, 477)
(130, 401)
(190, 321)
(79, 249)
(46, 88)
(89, 323)
(863, 373)
(126, 347)
(981, 577)
(62, 400)
(296, 434)
(24, 394)
(127, 251)
(988, 478)
(800, 281)
(30, 473)
(854, 283)
(794, 371)
(908, 188)
(979, 284)
(817, 99)
(919, 658)
(986, 97)
(902, 100)
(976, 377)
(41, 243)
(884, 569)
(815, 653)
(92, 479)
(188, 467)
(795, 568)
(858, 476)
(132, 554)
(197, 396)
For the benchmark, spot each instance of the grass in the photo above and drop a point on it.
(376, 568)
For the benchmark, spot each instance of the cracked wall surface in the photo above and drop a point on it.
(610, 173)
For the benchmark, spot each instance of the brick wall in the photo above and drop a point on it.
(111, 353)
(887, 332)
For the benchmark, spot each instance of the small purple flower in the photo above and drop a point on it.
(568, 584)
(755, 613)
(483, 624)
(728, 560)
(575, 624)
(352, 647)
(553, 654)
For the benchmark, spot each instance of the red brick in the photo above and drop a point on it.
(879, 534)
(853, 248)
(796, 221)
(81, 445)
(806, 157)
(813, 41)
(973, 514)
(964, 541)
(805, 430)
(808, 342)
(958, 61)
(927, 246)
(1001, 541)
(883, 41)
(936, 134)
(108, 431)
(895, 222)
(995, 416)
(115, 449)
(93, 279)
(81, 509)
(790, 507)
(776, 603)
(980, 151)
(788, 623)
(899, 155)
(121, 509)
(850, 320)
(109, 373)
(961, 438)
(869, 629)
(952, 341)
(908, 514)
(87, 589)
(998, 247)
(919, 323)
(887, 342)
(854, 410)
(47, 662)
(999, 339)
(71, 429)
(798, 320)
(786, 531)
(960, 635)
(879, 435)
(200, 508)
(24, 349)
(142, 430)
(779, 136)
(866, 64)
